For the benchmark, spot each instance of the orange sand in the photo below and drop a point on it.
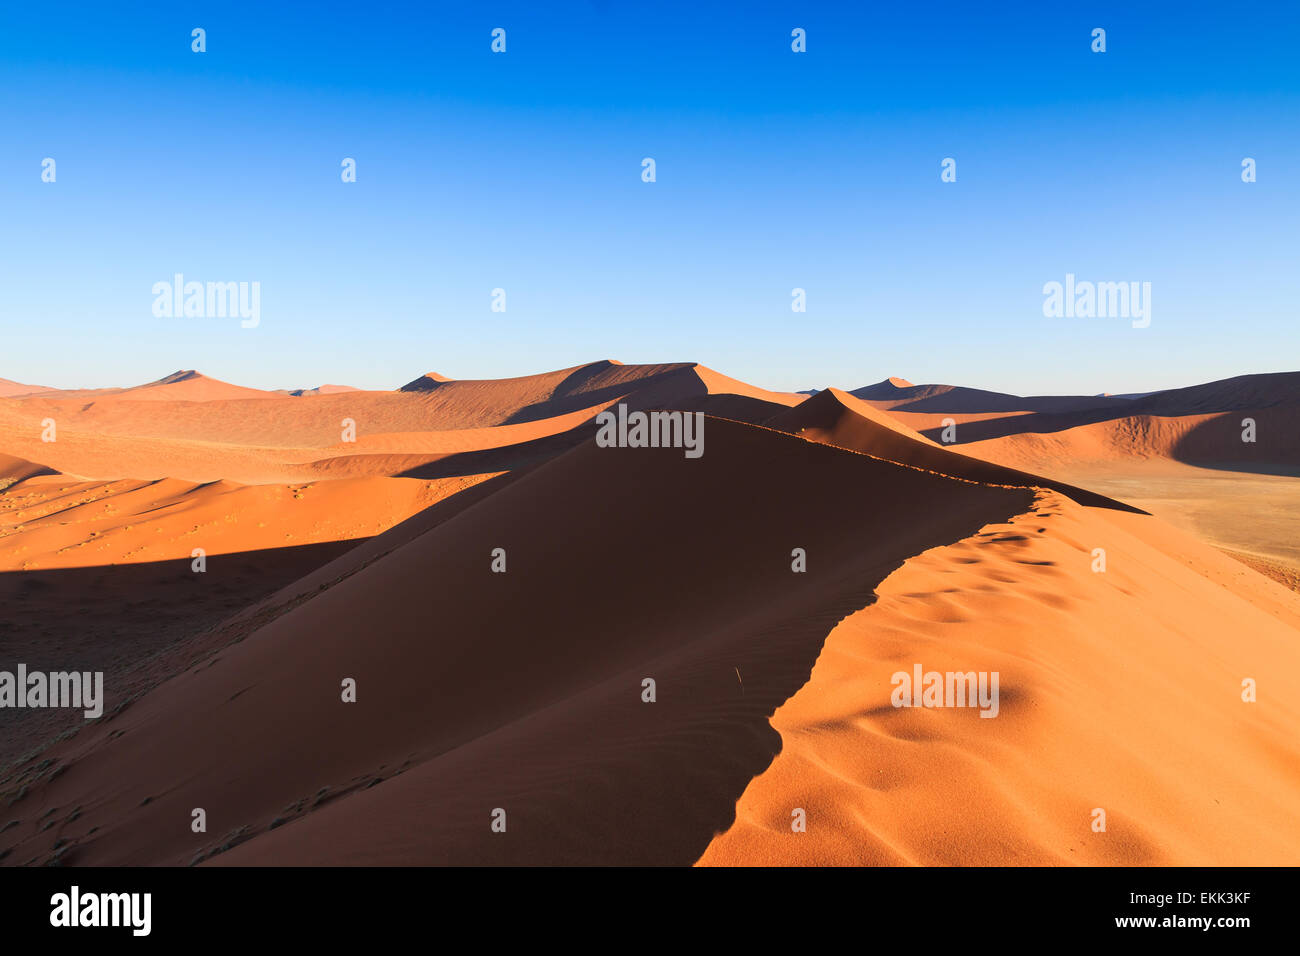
(372, 560)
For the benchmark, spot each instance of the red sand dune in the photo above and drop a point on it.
(323, 390)
(522, 690)
(1208, 780)
(898, 394)
(1229, 394)
(1178, 453)
(837, 418)
(68, 523)
(533, 675)
(13, 470)
(427, 382)
(186, 385)
(1202, 423)
(533, 397)
(106, 567)
(463, 709)
(10, 389)
(1211, 440)
(190, 386)
(197, 429)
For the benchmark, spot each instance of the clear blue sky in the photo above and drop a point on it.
(775, 170)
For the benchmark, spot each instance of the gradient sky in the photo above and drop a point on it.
(775, 170)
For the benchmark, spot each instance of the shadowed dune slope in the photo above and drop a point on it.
(837, 418)
(1208, 440)
(900, 395)
(1225, 395)
(14, 470)
(519, 690)
(1118, 690)
(102, 574)
(1199, 425)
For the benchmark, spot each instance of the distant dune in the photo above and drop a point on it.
(111, 434)
(323, 390)
(190, 386)
(1200, 425)
(10, 389)
(425, 383)
(900, 395)
(1182, 453)
(838, 418)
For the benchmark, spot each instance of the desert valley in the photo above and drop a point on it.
(446, 624)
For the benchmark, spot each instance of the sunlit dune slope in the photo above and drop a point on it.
(54, 522)
(1119, 690)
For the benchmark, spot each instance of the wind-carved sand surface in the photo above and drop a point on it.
(372, 560)
(1118, 690)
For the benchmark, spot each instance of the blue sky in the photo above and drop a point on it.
(775, 170)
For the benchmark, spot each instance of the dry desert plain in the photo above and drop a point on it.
(370, 559)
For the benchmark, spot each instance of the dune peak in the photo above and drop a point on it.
(183, 375)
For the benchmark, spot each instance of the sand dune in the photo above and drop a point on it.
(372, 559)
(450, 669)
(14, 470)
(474, 403)
(1179, 454)
(407, 433)
(10, 389)
(534, 397)
(67, 523)
(1229, 394)
(323, 390)
(186, 385)
(838, 418)
(1207, 780)
(900, 395)
(425, 383)
(1210, 440)
(1199, 424)
(190, 386)
(316, 419)
(102, 572)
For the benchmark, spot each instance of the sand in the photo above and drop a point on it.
(522, 691)
(1144, 722)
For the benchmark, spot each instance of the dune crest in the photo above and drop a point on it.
(882, 785)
